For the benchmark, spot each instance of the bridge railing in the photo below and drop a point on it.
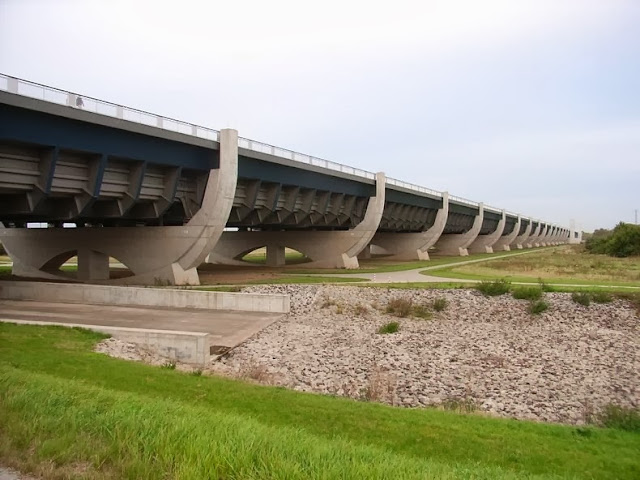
(302, 158)
(413, 187)
(462, 200)
(90, 104)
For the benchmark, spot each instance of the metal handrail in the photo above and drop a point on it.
(84, 102)
(256, 146)
(413, 187)
(462, 200)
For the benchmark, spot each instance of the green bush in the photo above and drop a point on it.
(538, 307)
(601, 297)
(391, 327)
(544, 287)
(494, 288)
(400, 307)
(622, 241)
(623, 418)
(439, 304)
(421, 311)
(582, 298)
(527, 293)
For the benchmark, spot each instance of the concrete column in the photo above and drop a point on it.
(456, 244)
(505, 241)
(92, 265)
(414, 246)
(541, 237)
(484, 243)
(534, 236)
(275, 256)
(167, 255)
(521, 239)
(326, 249)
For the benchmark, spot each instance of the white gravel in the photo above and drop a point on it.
(490, 353)
(558, 366)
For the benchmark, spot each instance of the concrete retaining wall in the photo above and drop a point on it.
(185, 347)
(148, 297)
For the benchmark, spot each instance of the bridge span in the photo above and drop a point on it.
(163, 196)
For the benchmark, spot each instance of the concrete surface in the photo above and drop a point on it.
(135, 296)
(182, 334)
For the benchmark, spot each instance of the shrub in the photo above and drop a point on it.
(400, 307)
(169, 365)
(360, 310)
(601, 297)
(582, 298)
(439, 304)
(494, 288)
(527, 293)
(391, 327)
(623, 418)
(421, 311)
(537, 307)
(622, 241)
(544, 287)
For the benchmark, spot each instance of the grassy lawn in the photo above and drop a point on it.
(291, 279)
(561, 265)
(65, 410)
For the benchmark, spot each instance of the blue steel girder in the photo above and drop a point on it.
(70, 170)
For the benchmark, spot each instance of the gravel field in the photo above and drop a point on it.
(480, 353)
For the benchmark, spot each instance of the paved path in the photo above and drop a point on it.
(226, 328)
(411, 276)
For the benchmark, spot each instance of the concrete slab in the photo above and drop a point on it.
(225, 328)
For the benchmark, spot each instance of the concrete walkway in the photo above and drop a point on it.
(411, 276)
(225, 328)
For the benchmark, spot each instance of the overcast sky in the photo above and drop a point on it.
(532, 106)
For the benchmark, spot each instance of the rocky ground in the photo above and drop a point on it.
(480, 353)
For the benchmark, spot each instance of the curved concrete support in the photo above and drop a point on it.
(534, 236)
(326, 249)
(505, 241)
(414, 246)
(456, 244)
(521, 239)
(539, 240)
(484, 243)
(166, 255)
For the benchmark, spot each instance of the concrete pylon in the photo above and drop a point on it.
(165, 255)
(484, 243)
(326, 249)
(520, 240)
(530, 243)
(505, 241)
(414, 246)
(456, 244)
(543, 233)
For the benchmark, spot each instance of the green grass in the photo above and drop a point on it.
(559, 265)
(494, 288)
(289, 279)
(391, 327)
(527, 293)
(537, 307)
(581, 298)
(62, 403)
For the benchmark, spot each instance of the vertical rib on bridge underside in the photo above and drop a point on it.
(326, 249)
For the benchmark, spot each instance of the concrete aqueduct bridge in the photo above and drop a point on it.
(164, 196)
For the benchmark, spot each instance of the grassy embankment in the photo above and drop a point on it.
(569, 265)
(65, 410)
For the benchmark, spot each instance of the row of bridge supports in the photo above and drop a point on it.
(171, 254)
